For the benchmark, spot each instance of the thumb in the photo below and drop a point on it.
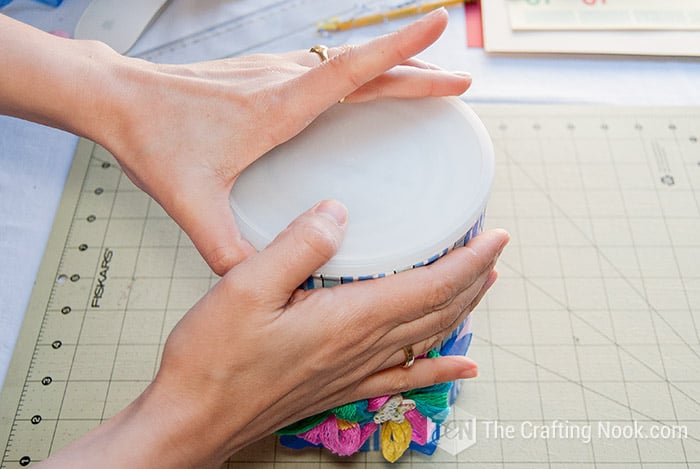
(304, 246)
(213, 231)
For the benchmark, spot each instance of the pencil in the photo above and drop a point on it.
(335, 24)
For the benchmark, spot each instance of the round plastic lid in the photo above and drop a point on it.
(415, 175)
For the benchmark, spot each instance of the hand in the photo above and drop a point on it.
(256, 354)
(184, 133)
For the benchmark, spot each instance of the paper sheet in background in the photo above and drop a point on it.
(500, 37)
(603, 14)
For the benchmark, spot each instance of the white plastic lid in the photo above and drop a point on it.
(414, 174)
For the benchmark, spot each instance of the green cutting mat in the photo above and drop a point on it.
(589, 344)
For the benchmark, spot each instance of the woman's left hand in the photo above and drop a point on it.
(183, 133)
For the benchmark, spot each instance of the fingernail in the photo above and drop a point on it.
(504, 243)
(334, 210)
(463, 74)
(470, 372)
(490, 280)
(437, 11)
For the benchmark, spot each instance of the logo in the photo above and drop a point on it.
(458, 433)
(101, 278)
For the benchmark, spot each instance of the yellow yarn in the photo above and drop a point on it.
(395, 438)
(345, 424)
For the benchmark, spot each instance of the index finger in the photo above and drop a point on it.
(356, 65)
(412, 295)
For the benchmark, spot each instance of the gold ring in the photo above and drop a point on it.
(321, 51)
(410, 357)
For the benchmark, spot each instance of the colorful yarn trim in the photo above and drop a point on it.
(395, 438)
(401, 419)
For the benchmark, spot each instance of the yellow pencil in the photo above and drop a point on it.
(335, 24)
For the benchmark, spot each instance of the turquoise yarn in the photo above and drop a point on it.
(354, 412)
(432, 402)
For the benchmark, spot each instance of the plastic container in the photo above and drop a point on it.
(415, 176)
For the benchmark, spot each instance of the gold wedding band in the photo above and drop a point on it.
(410, 357)
(321, 51)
